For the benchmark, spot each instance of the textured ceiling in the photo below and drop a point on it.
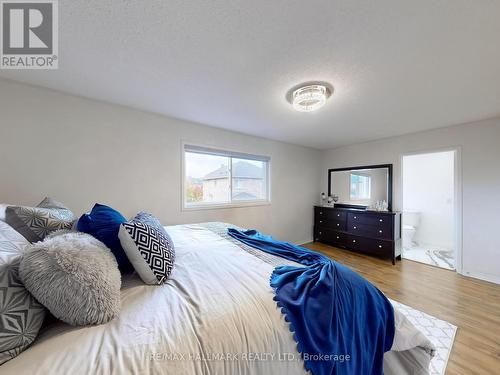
(397, 66)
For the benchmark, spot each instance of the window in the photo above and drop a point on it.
(361, 186)
(214, 178)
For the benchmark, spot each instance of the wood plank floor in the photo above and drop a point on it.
(472, 305)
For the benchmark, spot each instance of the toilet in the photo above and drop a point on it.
(411, 220)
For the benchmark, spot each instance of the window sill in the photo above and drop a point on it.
(220, 206)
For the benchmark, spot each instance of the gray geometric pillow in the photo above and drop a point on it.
(34, 223)
(21, 316)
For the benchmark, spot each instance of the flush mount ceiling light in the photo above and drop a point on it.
(307, 98)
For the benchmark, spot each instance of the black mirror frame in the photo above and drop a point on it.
(377, 166)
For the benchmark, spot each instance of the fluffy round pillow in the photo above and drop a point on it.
(75, 276)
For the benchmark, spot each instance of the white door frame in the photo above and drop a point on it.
(457, 209)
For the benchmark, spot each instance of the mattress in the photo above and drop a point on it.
(215, 315)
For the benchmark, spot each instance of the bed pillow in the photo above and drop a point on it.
(152, 221)
(21, 316)
(75, 276)
(34, 223)
(103, 222)
(3, 206)
(149, 249)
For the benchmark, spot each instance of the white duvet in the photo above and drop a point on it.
(215, 315)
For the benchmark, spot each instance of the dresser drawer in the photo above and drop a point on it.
(337, 215)
(332, 224)
(375, 231)
(322, 213)
(371, 246)
(322, 234)
(328, 235)
(370, 219)
(339, 238)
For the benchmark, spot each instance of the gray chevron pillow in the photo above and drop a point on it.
(21, 316)
(34, 223)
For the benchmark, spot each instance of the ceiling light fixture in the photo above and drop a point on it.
(310, 97)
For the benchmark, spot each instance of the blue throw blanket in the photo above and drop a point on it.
(342, 324)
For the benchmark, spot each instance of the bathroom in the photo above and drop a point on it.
(428, 228)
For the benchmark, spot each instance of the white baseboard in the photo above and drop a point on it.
(300, 243)
(482, 276)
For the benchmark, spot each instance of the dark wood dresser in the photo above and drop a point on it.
(370, 232)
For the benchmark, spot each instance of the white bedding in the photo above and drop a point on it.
(217, 304)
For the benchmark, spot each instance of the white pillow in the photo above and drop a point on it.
(3, 206)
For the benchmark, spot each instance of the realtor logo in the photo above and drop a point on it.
(29, 37)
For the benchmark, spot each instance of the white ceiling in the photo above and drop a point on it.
(397, 66)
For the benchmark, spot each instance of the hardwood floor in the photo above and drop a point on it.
(472, 305)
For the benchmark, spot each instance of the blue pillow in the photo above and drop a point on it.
(103, 223)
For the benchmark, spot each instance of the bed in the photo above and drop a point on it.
(215, 315)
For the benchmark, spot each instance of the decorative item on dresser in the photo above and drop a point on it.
(377, 233)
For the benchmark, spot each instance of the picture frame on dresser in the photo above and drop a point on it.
(349, 223)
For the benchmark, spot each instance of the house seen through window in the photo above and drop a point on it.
(214, 177)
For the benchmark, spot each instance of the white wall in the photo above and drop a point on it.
(428, 188)
(480, 154)
(81, 151)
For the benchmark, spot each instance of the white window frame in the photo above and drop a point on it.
(209, 150)
(350, 186)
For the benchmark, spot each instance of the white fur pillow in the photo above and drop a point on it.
(75, 276)
(2, 211)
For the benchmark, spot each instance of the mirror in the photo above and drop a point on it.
(361, 187)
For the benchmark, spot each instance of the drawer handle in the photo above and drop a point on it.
(380, 246)
(321, 212)
(353, 240)
(320, 221)
(338, 237)
(381, 220)
(380, 231)
(320, 233)
(355, 227)
(338, 215)
(338, 224)
(355, 217)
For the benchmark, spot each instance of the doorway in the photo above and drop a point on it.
(429, 226)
